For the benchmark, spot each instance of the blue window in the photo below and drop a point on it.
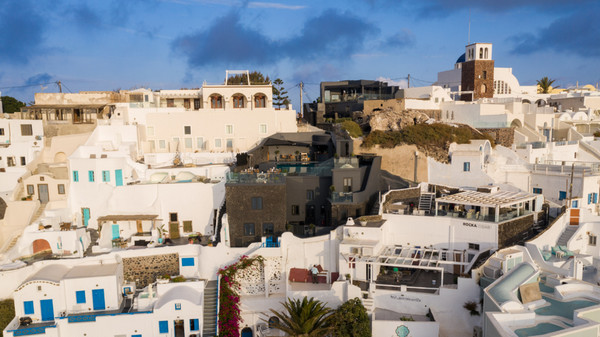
(466, 166)
(595, 199)
(537, 190)
(590, 198)
(80, 296)
(575, 203)
(187, 261)
(91, 176)
(177, 306)
(136, 335)
(75, 176)
(194, 326)
(562, 195)
(163, 327)
(28, 307)
(105, 176)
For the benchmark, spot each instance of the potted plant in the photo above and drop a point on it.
(312, 228)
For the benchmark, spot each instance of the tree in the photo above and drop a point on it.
(545, 85)
(305, 318)
(11, 104)
(279, 94)
(256, 77)
(351, 320)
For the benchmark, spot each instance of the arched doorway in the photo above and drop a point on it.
(516, 124)
(41, 245)
(247, 332)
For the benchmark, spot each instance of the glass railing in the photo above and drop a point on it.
(255, 178)
(342, 197)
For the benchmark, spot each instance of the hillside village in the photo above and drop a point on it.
(465, 208)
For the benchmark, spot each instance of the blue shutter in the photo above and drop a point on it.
(91, 176)
(187, 261)
(194, 324)
(595, 198)
(105, 176)
(75, 176)
(80, 296)
(466, 166)
(562, 195)
(163, 327)
(589, 198)
(575, 203)
(28, 307)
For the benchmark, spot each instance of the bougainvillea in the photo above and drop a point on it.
(229, 297)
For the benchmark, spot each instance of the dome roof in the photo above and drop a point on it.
(461, 59)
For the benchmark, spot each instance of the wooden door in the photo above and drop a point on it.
(139, 226)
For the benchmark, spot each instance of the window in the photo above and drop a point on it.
(537, 190)
(187, 262)
(163, 327)
(23, 161)
(80, 296)
(200, 143)
(229, 143)
(26, 130)
(187, 130)
(173, 217)
(268, 229)
(466, 166)
(347, 185)
(486, 53)
(260, 101)
(257, 203)
(105, 176)
(310, 195)
(61, 188)
(150, 131)
(187, 226)
(238, 101)
(196, 103)
(575, 204)
(262, 128)
(177, 306)
(91, 176)
(194, 326)
(170, 103)
(295, 209)
(28, 307)
(186, 103)
(249, 229)
(1, 131)
(590, 198)
(351, 263)
(480, 53)
(474, 246)
(10, 161)
(562, 195)
(592, 240)
(216, 102)
(273, 322)
(30, 190)
(162, 144)
(229, 129)
(188, 143)
(218, 142)
(176, 141)
(75, 176)
(484, 75)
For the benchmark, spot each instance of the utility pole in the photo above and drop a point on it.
(571, 186)
(59, 86)
(301, 105)
(409, 80)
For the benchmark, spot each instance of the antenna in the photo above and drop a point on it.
(469, 36)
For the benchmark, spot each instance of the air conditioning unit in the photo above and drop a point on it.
(492, 272)
(355, 250)
(367, 251)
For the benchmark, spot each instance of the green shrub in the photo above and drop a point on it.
(7, 313)
(353, 128)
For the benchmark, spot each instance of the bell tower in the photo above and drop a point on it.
(477, 75)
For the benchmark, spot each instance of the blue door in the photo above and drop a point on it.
(247, 332)
(115, 231)
(47, 310)
(98, 299)
(86, 216)
(119, 177)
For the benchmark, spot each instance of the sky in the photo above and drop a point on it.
(172, 44)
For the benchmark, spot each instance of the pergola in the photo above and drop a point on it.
(496, 207)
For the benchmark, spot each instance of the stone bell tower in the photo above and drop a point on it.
(477, 75)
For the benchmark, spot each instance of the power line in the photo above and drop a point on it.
(26, 86)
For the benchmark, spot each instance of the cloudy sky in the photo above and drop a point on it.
(170, 44)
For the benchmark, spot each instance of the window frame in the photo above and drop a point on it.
(105, 176)
(268, 225)
(26, 130)
(75, 176)
(163, 326)
(91, 176)
(256, 203)
(249, 229)
(467, 166)
(80, 296)
(61, 188)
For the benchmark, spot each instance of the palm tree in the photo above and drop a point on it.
(545, 84)
(304, 318)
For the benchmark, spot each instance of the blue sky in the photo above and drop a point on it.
(170, 44)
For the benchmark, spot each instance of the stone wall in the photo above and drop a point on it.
(512, 231)
(145, 269)
(406, 195)
(51, 130)
(472, 79)
(502, 136)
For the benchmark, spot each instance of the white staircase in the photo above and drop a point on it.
(566, 235)
(425, 201)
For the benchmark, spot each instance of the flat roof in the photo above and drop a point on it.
(53, 273)
(127, 217)
(93, 270)
(501, 198)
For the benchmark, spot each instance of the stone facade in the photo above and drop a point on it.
(239, 210)
(511, 232)
(503, 136)
(477, 76)
(144, 270)
(372, 106)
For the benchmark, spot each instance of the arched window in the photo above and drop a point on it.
(483, 88)
(447, 114)
(260, 101)
(452, 115)
(480, 53)
(216, 102)
(273, 321)
(486, 53)
(238, 101)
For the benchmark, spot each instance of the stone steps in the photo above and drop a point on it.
(209, 324)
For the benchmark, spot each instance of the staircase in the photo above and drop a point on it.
(369, 304)
(566, 235)
(93, 241)
(38, 213)
(425, 201)
(209, 325)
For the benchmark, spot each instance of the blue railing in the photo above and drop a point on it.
(271, 242)
(32, 331)
(82, 318)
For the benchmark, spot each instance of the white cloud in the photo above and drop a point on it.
(402, 83)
